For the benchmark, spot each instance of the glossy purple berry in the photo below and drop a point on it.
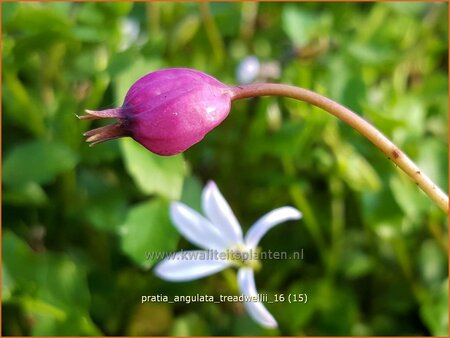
(167, 111)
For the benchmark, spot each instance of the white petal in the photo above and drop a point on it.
(267, 222)
(189, 265)
(220, 214)
(256, 310)
(196, 228)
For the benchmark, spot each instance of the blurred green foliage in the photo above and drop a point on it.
(77, 221)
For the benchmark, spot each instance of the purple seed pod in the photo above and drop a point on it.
(167, 111)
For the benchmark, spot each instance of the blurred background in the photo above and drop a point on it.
(77, 221)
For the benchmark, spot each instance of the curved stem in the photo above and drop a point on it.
(355, 121)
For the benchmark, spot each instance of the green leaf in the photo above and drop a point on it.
(300, 313)
(148, 231)
(192, 193)
(412, 111)
(189, 324)
(121, 61)
(152, 173)
(433, 263)
(354, 93)
(303, 26)
(118, 9)
(51, 288)
(185, 31)
(28, 194)
(355, 262)
(352, 166)
(433, 160)
(19, 106)
(356, 170)
(370, 54)
(57, 279)
(8, 11)
(107, 204)
(7, 285)
(408, 196)
(37, 161)
(434, 311)
(385, 225)
(38, 19)
(385, 122)
(16, 256)
(72, 324)
(409, 8)
(337, 310)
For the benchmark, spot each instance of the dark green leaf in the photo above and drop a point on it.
(152, 173)
(148, 232)
(37, 161)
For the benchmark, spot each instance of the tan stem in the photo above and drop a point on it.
(355, 121)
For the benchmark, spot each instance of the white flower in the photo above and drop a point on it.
(248, 70)
(220, 232)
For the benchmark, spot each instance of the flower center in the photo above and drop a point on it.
(244, 257)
